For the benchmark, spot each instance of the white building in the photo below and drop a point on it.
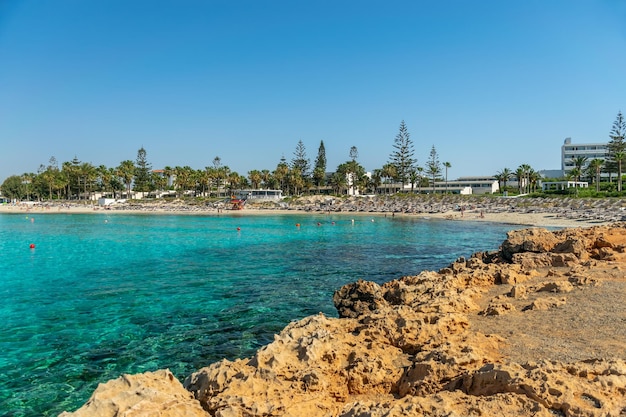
(467, 185)
(259, 195)
(591, 151)
(563, 185)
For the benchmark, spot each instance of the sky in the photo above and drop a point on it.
(490, 84)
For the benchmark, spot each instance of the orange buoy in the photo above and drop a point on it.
(32, 246)
(297, 224)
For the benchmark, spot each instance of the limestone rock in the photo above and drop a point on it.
(150, 394)
(361, 297)
(410, 346)
(545, 303)
(536, 240)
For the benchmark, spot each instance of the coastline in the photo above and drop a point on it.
(533, 328)
(532, 216)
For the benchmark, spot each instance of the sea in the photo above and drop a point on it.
(88, 297)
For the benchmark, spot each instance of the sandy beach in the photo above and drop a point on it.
(532, 213)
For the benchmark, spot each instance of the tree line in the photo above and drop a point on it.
(584, 168)
(79, 180)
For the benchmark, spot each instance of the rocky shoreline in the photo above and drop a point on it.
(509, 332)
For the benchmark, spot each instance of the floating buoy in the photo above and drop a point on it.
(333, 223)
(297, 224)
(239, 228)
(32, 246)
(319, 224)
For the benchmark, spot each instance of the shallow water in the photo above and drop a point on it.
(105, 294)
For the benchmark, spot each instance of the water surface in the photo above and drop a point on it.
(106, 294)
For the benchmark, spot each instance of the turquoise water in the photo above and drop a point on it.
(105, 294)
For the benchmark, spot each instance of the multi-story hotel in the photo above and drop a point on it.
(591, 151)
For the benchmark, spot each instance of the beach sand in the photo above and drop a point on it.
(531, 219)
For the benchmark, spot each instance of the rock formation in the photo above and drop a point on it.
(536, 328)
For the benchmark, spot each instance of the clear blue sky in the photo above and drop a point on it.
(491, 84)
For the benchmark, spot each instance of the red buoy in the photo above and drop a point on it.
(239, 228)
(32, 246)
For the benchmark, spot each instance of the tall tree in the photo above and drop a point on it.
(299, 169)
(50, 175)
(504, 176)
(595, 169)
(389, 172)
(525, 171)
(220, 172)
(14, 187)
(255, 178)
(617, 147)
(143, 177)
(88, 176)
(319, 171)
(300, 162)
(433, 166)
(402, 156)
(447, 165)
(280, 173)
(126, 172)
(579, 164)
(520, 174)
(353, 171)
(619, 157)
(72, 170)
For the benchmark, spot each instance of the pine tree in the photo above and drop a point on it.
(319, 172)
(143, 171)
(433, 167)
(617, 148)
(300, 162)
(402, 157)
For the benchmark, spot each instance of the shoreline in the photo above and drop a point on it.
(532, 218)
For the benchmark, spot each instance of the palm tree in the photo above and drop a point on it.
(70, 171)
(266, 176)
(295, 179)
(414, 177)
(619, 158)
(574, 173)
(578, 162)
(126, 172)
(105, 176)
(160, 182)
(280, 174)
(447, 165)
(338, 182)
(520, 175)
(375, 180)
(255, 178)
(595, 168)
(504, 176)
(389, 172)
(420, 176)
(88, 174)
(234, 180)
(524, 170)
